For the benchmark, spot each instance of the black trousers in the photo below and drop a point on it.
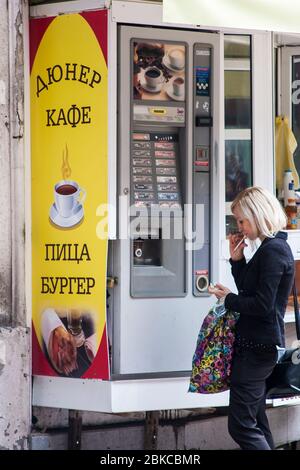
(247, 420)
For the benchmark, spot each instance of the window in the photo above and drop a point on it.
(238, 120)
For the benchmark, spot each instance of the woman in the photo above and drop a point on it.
(264, 284)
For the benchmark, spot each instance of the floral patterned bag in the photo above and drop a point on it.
(211, 366)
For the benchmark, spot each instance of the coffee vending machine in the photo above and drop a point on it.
(167, 249)
(160, 111)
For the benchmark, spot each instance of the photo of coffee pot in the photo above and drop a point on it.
(149, 53)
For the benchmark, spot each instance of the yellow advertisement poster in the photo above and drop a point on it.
(69, 182)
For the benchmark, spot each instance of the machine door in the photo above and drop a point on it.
(168, 136)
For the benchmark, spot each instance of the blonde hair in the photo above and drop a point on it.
(262, 209)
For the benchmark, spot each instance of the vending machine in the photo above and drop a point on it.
(137, 124)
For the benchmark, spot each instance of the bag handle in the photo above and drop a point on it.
(296, 310)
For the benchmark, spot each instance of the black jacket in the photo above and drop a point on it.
(264, 284)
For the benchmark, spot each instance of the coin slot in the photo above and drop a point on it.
(202, 283)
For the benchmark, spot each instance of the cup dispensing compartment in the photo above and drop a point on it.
(147, 252)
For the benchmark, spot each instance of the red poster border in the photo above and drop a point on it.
(96, 19)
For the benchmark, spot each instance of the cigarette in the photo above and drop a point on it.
(239, 244)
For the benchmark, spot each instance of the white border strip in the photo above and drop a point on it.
(237, 134)
(237, 64)
(112, 126)
(151, 14)
(262, 99)
(107, 397)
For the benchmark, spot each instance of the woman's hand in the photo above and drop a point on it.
(219, 291)
(236, 250)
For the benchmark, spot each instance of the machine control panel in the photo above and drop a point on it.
(154, 170)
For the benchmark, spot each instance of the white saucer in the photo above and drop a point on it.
(170, 92)
(66, 222)
(146, 87)
(167, 64)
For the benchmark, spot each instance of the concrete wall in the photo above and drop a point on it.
(15, 382)
(5, 200)
(15, 360)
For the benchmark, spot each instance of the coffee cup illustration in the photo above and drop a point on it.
(178, 86)
(67, 209)
(153, 77)
(67, 196)
(176, 58)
